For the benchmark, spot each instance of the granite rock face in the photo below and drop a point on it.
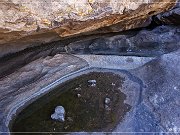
(28, 23)
(170, 17)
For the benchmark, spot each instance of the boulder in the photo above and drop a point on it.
(28, 23)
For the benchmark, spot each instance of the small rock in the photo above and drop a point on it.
(70, 119)
(66, 127)
(59, 114)
(92, 83)
(77, 89)
(107, 108)
(107, 100)
(113, 84)
(175, 88)
(79, 95)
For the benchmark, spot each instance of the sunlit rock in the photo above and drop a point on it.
(28, 23)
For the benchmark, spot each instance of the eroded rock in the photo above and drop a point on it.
(169, 17)
(107, 100)
(92, 83)
(32, 80)
(160, 40)
(28, 23)
(59, 114)
(82, 114)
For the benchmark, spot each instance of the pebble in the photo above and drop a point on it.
(113, 84)
(92, 83)
(70, 119)
(107, 108)
(79, 95)
(77, 89)
(59, 114)
(107, 100)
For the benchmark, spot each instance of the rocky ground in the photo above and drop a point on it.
(156, 76)
(149, 58)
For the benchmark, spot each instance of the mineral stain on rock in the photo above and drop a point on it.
(86, 112)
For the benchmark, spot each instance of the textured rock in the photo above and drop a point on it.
(32, 80)
(27, 23)
(162, 92)
(156, 42)
(107, 100)
(169, 17)
(152, 88)
(92, 83)
(59, 114)
(160, 40)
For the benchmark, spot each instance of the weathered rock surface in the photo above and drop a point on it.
(161, 94)
(28, 23)
(169, 17)
(59, 114)
(92, 83)
(153, 91)
(161, 40)
(30, 81)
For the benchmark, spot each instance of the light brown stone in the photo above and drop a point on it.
(25, 23)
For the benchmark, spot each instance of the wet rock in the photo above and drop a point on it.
(31, 79)
(69, 119)
(78, 89)
(59, 114)
(107, 108)
(160, 76)
(107, 100)
(113, 84)
(78, 95)
(92, 83)
(80, 115)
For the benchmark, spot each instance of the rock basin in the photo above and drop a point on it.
(84, 113)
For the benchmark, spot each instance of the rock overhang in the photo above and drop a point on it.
(31, 23)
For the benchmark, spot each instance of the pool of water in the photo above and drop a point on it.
(84, 104)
